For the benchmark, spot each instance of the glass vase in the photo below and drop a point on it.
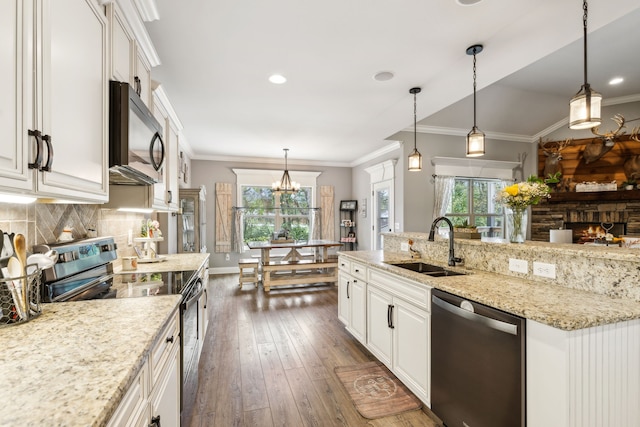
(516, 224)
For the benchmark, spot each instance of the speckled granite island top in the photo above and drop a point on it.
(72, 365)
(557, 306)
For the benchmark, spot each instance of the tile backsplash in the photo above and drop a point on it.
(43, 223)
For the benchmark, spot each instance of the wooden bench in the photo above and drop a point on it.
(248, 271)
(282, 273)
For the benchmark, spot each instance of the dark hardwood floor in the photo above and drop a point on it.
(268, 360)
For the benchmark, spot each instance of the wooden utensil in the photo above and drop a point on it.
(21, 249)
(20, 246)
(18, 291)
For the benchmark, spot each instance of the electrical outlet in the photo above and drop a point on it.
(545, 270)
(404, 246)
(130, 238)
(519, 265)
(227, 257)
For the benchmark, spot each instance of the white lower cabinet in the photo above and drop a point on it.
(153, 399)
(397, 328)
(352, 307)
(165, 397)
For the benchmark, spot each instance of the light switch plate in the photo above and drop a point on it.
(544, 270)
(404, 246)
(518, 265)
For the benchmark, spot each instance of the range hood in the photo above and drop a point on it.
(131, 198)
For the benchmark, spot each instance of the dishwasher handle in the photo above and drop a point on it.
(498, 325)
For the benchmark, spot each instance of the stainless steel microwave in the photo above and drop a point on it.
(136, 148)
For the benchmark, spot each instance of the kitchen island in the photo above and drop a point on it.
(582, 336)
(72, 365)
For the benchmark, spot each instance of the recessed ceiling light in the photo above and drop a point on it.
(616, 81)
(467, 2)
(383, 76)
(277, 79)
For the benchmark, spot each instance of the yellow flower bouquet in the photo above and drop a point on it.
(523, 194)
(516, 198)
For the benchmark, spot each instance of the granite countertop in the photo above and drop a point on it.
(172, 262)
(556, 306)
(72, 365)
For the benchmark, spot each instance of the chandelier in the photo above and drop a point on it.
(285, 184)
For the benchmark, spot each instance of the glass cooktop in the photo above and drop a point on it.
(134, 284)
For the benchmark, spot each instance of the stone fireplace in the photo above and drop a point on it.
(578, 211)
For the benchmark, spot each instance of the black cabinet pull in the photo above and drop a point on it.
(47, 166)
(206, 297)
(348, 282)
(155, 421)
(170, 196)
(38, 159)
(137, 84)
(390, 316)
(170, 339)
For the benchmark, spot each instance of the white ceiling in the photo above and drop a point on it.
(216, 57)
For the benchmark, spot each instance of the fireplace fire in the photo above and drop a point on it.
(584, 232)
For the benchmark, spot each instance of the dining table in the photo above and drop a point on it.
(295, 267)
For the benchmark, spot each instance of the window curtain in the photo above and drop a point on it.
(443, 193)
(237, 235)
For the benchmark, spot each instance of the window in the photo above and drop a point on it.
(472, 203)
(267, 212)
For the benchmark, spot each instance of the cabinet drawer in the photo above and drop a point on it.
(359, 271)
(415, 293)
(344, 264)
(168, 339)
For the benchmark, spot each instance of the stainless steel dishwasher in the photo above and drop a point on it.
(477, 365)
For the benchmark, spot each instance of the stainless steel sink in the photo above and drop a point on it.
(428, 269)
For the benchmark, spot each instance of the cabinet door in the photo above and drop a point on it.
(122, 45)
(74, 99)
(143, 73)
(133, 409)
(379, 334)
(344, 295)
(165, 396)
(358, 323)
(16, 103)
(411, 347)
(160, 187)
(172, 171)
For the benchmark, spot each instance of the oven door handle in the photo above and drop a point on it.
(194, 295)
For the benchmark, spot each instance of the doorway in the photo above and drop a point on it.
(382, 220)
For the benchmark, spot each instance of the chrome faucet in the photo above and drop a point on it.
(452, 257)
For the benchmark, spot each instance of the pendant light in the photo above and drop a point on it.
(415, 158)
(285, 184)
(475, 138)
(584, 108)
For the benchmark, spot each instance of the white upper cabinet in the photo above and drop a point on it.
(54, 60)
(166, 190)
(122, 45)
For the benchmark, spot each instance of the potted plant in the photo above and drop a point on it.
(553, 179)
(629, 184)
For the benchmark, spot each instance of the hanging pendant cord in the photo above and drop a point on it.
(474, 88)
(584, 29)
(415, 135)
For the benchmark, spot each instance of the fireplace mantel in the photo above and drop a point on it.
(592, 196)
